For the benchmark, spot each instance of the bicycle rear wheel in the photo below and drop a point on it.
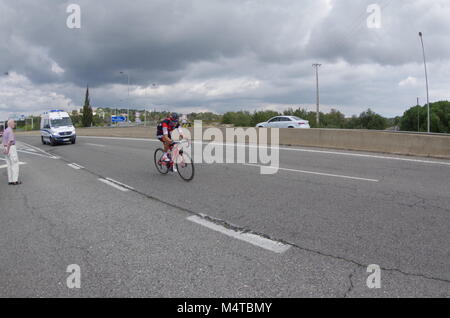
(160, 166)
(185, 167)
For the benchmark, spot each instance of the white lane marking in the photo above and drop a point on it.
(253, 239)
(114, 185)
(75, 166)
(5, 166)
(120, 183)
(28, 149)
(38, 154)
(316, 173)
(35, 151)
(351, 154)
(95, 145)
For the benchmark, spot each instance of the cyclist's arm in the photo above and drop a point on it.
(165, 129)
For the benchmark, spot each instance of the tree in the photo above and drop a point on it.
(371, 120)
(263, 116)
(238, 119)
(439, 117)
(334, 119)
(87, 118)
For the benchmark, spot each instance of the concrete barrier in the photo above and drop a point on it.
(360, 140)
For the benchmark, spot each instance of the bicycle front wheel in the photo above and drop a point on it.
(185, 167)
(160, 165)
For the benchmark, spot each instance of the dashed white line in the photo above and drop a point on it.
(114, 185)
(253, 239)
(75, 166)
(316, 173)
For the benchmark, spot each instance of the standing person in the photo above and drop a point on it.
(10, 151)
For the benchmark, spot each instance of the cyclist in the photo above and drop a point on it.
(164, 133)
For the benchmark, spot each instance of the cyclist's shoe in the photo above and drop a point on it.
(173, 169)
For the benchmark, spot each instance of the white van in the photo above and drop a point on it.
(57, 127)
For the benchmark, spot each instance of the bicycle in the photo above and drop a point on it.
(178, 158)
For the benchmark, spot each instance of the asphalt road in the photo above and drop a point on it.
(333, 213)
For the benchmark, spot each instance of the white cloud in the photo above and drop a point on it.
(18, 95)
(409, 81)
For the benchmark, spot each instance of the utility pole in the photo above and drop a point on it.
(418, 115)
(426, 79)
(316, 66)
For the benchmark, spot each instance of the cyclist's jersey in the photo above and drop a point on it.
(166, 127)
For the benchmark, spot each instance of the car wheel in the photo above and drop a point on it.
(290, 127)
(52, 141)
(43, 141)
(73, 141)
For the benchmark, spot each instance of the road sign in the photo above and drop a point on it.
(118, 119)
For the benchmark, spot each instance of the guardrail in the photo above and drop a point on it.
(404, 143)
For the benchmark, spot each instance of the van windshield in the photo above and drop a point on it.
(61, 122)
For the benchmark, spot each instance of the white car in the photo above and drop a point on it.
(285, 122)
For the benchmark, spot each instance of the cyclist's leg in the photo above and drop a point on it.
(166, 142)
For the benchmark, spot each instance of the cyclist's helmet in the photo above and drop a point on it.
(175, 117)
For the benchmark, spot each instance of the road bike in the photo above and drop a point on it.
(179, 160)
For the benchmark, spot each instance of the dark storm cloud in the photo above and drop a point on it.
(224, 54)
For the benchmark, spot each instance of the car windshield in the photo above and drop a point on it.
(61, 122)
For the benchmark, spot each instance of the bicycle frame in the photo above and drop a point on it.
(175, 151)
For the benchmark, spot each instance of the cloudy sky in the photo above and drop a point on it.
(222, 55)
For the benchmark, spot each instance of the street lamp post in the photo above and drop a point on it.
(426, 79)
(316, 66)
(128, 76)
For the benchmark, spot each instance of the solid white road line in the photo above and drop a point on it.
(253, 239)
(350, 154)
(114, 185)
(316, 173)
(95, 145)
